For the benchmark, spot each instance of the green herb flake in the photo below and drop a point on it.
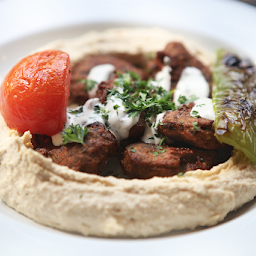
(182, 99)
(105, 116)
(134, 114)
(162, 141)
(195, 114)
(181, 122)
(76, 111)
(80, 196)
(200, 105)
(192, 98)
(186, 100)
(180, 174)
(159, 123)
(97, 109)
(89, 84)
(116, 107)
(104, 113)
(132, 149)
(74, 133)
(195, 125)
(156, 153)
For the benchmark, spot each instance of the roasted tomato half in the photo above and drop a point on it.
(34, 95)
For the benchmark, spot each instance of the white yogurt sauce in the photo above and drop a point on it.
(191, 82)
(57, 139)
(204, 108)
(149, 134)
(118, 119)
(86, 117)
(99, 74)
(163, 77)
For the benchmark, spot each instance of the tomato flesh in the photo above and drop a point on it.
(34, 95)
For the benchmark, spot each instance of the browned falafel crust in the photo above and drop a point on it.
(144, 161)
(180, 125)
(99, 145)
(81, 69)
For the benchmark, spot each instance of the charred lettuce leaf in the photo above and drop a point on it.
(234, 99)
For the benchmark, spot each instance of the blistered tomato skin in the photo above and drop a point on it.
(34, 95)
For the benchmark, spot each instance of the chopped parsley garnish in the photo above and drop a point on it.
(116, 107)
(74, 133)
(132, 149)
(156, 153)
(76, 111)
(89, 84)
(185, 100)
(195, 114)
(180, 174)
(97, 109)
(192, 98)
(195, 125)
(162, 140)
(159, 123)
(141, 96)
(105, 114)
(182, 99)
(200, 105)
(102, 111)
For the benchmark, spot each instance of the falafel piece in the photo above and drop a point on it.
(144, 161)
(102, 90)
(180, 59)
(199, 132)
(138, 129)
(81, 69)
(99, 145)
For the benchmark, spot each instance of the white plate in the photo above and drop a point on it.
(214, 24)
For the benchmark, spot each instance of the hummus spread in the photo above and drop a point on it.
(89, 204)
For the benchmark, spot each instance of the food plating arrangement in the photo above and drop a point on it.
(122, 140)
